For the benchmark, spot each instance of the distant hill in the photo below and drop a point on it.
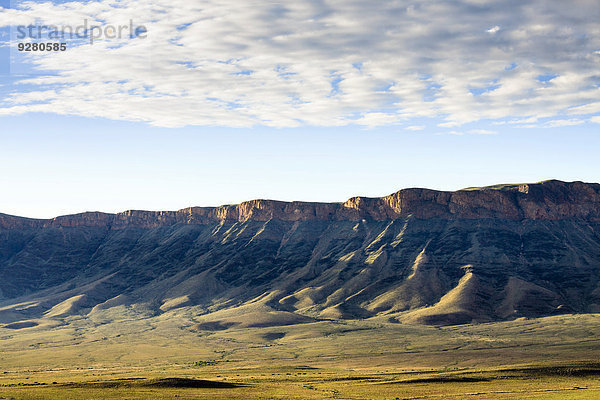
(416, 256)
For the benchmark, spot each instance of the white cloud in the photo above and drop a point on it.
(530, 120)
(469, 132)
(482, 132)
(451, 124)
(375, 119)
(528, 126)
(591, 108)
(564, 122)
(415, 128)
(454, 133)
(322, 63)
(595, 120)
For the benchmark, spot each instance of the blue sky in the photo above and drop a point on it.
(316, 100)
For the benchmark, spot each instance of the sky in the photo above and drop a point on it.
(203, 103)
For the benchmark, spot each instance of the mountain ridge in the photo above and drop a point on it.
(546, 200)
(416, 256)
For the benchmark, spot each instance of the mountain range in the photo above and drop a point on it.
(416, 256)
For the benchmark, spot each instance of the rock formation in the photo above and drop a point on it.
(418, 256)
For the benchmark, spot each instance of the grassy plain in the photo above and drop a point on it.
(167, 357)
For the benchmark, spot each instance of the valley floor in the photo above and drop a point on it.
(167, 357)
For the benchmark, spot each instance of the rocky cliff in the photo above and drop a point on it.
(550, 200)
(417, 256)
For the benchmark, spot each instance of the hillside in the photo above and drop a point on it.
(416, 256)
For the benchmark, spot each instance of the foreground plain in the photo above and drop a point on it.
(168, 356)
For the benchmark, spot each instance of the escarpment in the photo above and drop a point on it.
(416, 256)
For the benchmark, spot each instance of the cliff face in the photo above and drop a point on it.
(416, 256)
(550, 200)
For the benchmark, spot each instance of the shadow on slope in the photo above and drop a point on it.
(156, 383)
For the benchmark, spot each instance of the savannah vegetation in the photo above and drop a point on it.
(169, 356)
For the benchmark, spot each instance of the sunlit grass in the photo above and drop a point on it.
(164, 358)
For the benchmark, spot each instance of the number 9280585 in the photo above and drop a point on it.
(42, 46)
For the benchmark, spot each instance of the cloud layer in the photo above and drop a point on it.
(320, 62)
